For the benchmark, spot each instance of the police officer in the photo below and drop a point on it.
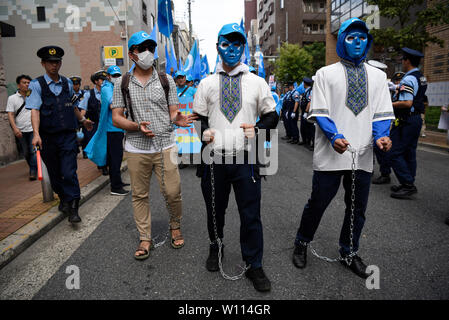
(55, 120)
(307, 128)
(289, 117)
(79, 93)
(92, 104)
(381, 156)
(407, 126)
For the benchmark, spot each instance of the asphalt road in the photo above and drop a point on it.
(407, 240)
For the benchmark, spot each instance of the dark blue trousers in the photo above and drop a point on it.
(293, 126)
(114, 158)
(28, 151)
(59, 152)
(307, 131)
(402, 155)
(248, 195)
(285, 122)
(325, 185)
(383, 161)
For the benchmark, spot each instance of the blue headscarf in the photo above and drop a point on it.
(347, 27)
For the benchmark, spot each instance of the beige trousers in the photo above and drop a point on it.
(141, 167)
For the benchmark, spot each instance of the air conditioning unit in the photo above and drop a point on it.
(123, 35)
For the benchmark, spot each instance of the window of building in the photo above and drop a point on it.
(144, 13)
(260, 6)
(271, 29)
(271, 8)
(40, 14)
(7, 30)
(260, 23)
(265, 16)
(260, 41)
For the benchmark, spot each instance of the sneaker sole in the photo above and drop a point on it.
(119, 194)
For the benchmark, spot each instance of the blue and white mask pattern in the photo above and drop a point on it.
(230, 52)
(356, 42)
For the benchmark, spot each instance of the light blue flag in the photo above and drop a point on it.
(204, 67)
(173, 63)
(153, 36)
(167, 61)
(261, 66)
(216, 62)
(192, 65)
(180, 67)
(165, 18)
(246, 56)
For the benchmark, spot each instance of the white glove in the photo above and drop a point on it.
(293, 115)
(305, 115)
(392, 86)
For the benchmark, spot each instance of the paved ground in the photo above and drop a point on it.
(407, 240)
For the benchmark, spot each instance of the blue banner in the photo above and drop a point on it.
(187, 138)
(165, 18)
(204, 67)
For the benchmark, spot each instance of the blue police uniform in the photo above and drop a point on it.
(57, 130)
(406, 129)
(92, 104)
(307, 128)
(291, 125)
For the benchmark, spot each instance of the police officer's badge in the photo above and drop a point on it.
(52, 51)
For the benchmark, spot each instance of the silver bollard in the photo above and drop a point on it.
(47, 191)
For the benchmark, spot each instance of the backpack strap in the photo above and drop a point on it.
(165, 85)
(126, 96)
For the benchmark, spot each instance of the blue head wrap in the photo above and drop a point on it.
(347, 27)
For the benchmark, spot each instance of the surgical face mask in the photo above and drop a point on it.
(146, 60)
(355, 43)
(230, 52)
(113, 80)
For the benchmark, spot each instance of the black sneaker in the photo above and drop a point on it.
(259, 279)
(396, 188)
(382, 180)
(406, 192)
(357, 266)
(64, 207)
(212, 260)
(447, 221)
(125, 184)
(104, 171)
(119, 192)
(300, 256)
(285, 138)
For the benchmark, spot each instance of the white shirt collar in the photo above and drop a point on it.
(49, 80)
(240, 68)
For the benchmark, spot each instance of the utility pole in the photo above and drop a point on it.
(189, 3)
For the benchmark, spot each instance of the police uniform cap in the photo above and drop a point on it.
(307, 80)
(76, 79)
(100, 74)
(398, 76)
(50, 53)
(411, 53)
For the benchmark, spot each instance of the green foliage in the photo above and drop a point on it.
(293, 64)
(318, 52)
(410, 34)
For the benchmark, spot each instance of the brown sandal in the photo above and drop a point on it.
(146, 251)
(177, 238)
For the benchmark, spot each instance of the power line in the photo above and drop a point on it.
(118, 19)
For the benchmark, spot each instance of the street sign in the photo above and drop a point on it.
(112, 54)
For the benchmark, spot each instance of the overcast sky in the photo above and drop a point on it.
(208, 16)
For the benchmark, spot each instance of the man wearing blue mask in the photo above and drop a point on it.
(228, 104)
(352, 107)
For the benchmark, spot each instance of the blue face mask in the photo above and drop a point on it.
(355, 43)
(230, 52)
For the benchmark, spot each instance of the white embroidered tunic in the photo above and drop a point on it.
(354, 98)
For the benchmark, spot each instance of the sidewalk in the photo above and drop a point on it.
(24, 217)
(434, 139)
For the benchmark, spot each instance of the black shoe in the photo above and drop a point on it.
(382, 180)
(357, 266)
(301, 143)
(182, 165)
(293, 141)
(85, 155)
(119, 192)
(311, 148)
(125, 185)
(73, 206)
(64, 207)
(300, 256)
(212, 260)
(104, 171)
(396, 188)
(259, 279)
(32, 176)
(405, 192)
(285, 138)
(447, 221)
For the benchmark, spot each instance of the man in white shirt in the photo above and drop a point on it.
(352, 107)
(20, 120)
(228, 104)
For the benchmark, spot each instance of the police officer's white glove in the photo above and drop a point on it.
(392, 86)
(293, 115)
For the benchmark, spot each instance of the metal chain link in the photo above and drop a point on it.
(348, 258)
(217, 239)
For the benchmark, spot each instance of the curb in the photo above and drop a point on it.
(16, 243)
(433, 146)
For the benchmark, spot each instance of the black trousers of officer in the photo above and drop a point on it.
(59, 152)
(307, 131)
(114, 158)
(284, 114)
(88, 135)
(247, 194)
(293, 126)
(402, 156)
